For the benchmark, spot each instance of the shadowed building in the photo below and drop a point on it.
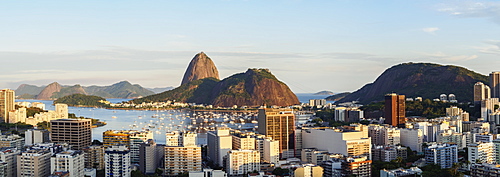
(495, 84)
(75, 132)
(395, 110)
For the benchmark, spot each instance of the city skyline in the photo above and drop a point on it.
(151, 43)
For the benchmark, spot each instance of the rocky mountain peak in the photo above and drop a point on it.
(200, 67)
(48, 91)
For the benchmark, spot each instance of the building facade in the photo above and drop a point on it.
(117, 161)
(395, 113)
(75, 132)
(279, 124)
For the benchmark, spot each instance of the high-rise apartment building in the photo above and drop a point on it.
(117, 160)
(346, 142)
(94, 157)
(240, 162)
(132, 139)
(34, 136)
(61, 110)
(395, 113)
(495, 84)
(481, 92)
(150, 156)
(18, 115)
(75, 132)
(219, 143)
(444, 155)
(179, 159)
(412, 138)
(481, 153)
(7, 99)
(34, 162)
(9, 157)
(177, 138)
(279, 124)
(70, 161)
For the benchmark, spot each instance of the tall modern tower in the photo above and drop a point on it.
(495, 84)
(7, 99)
(279, 124)
(481, 92)
(395, 110)
(75, 132)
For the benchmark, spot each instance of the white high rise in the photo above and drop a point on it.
(445, 155)
(412, 138)
(240, 162)
(35, 162)
(219, 143)
(117, 161)
(70, 161)
(61, 110)
(481, 153)
(9, 156)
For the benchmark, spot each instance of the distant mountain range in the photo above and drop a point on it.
(123, 89)
(426, 80)
(255, 87)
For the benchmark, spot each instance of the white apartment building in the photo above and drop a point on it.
(177, 138)
(412, 138)
(349, 143)
(442, 154)
(117, 161)
(34, 136)
(240, 162)
(449, 136)
(70, 161)
(61, 110)
(9, 157)
(35, 162)
(481, 153)
(179, 159)
(219, 143)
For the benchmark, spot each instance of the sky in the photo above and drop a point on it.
(335, 45)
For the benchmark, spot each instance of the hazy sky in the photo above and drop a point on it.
(310, 45)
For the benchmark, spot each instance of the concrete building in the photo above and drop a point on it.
(317, 102)
(34, 136)
(388, 153)
(442, 154)
(14, 141)
(484, 170)
(401, 172)
(94, 157)
(179, 159)
(412, 138)
(18, 115)
(481, 152)
(240, 162)
(279, 124)
(75, 132)
(243, 141)
(9, 157)
(269, 149)
(488, 107)
(340, 114)
(358, 166)
(219, 143)
(70, 161)
(7, 99)
(177, 138)
(449, 136)
(481, 92)
(395, 113)
(150, 157)
(34, 162)
(117, 161)
(131, 139)
(308, 171)
(349, 143)
(61, 110)
(495, 84)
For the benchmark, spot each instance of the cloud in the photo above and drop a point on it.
(440, 56)
(472, 9)
(431, 30)
(491, 47)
